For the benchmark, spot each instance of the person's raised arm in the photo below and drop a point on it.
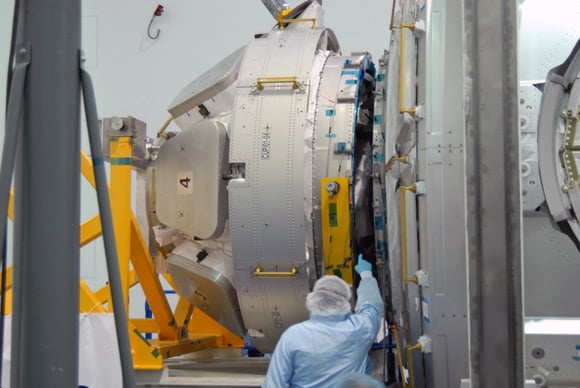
(369, 301)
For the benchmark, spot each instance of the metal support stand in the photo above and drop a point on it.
(47, 205)
(493, 194)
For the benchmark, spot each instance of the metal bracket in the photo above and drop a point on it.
(420, 188)
(332, 188)
(419, 28)
(23, 54)
(123, 127)
(116, 127)
(422, 278)
(419, 112)
(425, 342)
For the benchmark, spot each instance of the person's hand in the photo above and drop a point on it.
(362, 265)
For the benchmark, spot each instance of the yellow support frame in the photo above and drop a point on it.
(174, 338)
(184, 330)
(121, 151)
(151, 285)
(89, 303)
(202, 325)
(11, 204)
(336, 229)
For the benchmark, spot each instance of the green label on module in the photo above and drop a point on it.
(332, 215)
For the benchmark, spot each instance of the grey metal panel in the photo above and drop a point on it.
(208, 96)
(551, 258)
(207, 289)
(270, 306)
(556, 357)
(532, 193)
(444, 303)
(266, 206)
(267, 226)
(46, 208)
(212, 82)
(493, 194)
(190, 189)
(442, 223)
(269, 201)
(333, 127)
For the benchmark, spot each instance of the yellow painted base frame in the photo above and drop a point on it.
(181, 331)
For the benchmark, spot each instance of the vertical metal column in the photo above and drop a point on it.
(47, 183)
(493, 194)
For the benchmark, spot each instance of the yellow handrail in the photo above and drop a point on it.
(260, 273)
(286, 21)
(410, 349)
(275, 80)
(403, 209)
(402, 108)
(395, 330)
(393, 159)
(164, 127)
